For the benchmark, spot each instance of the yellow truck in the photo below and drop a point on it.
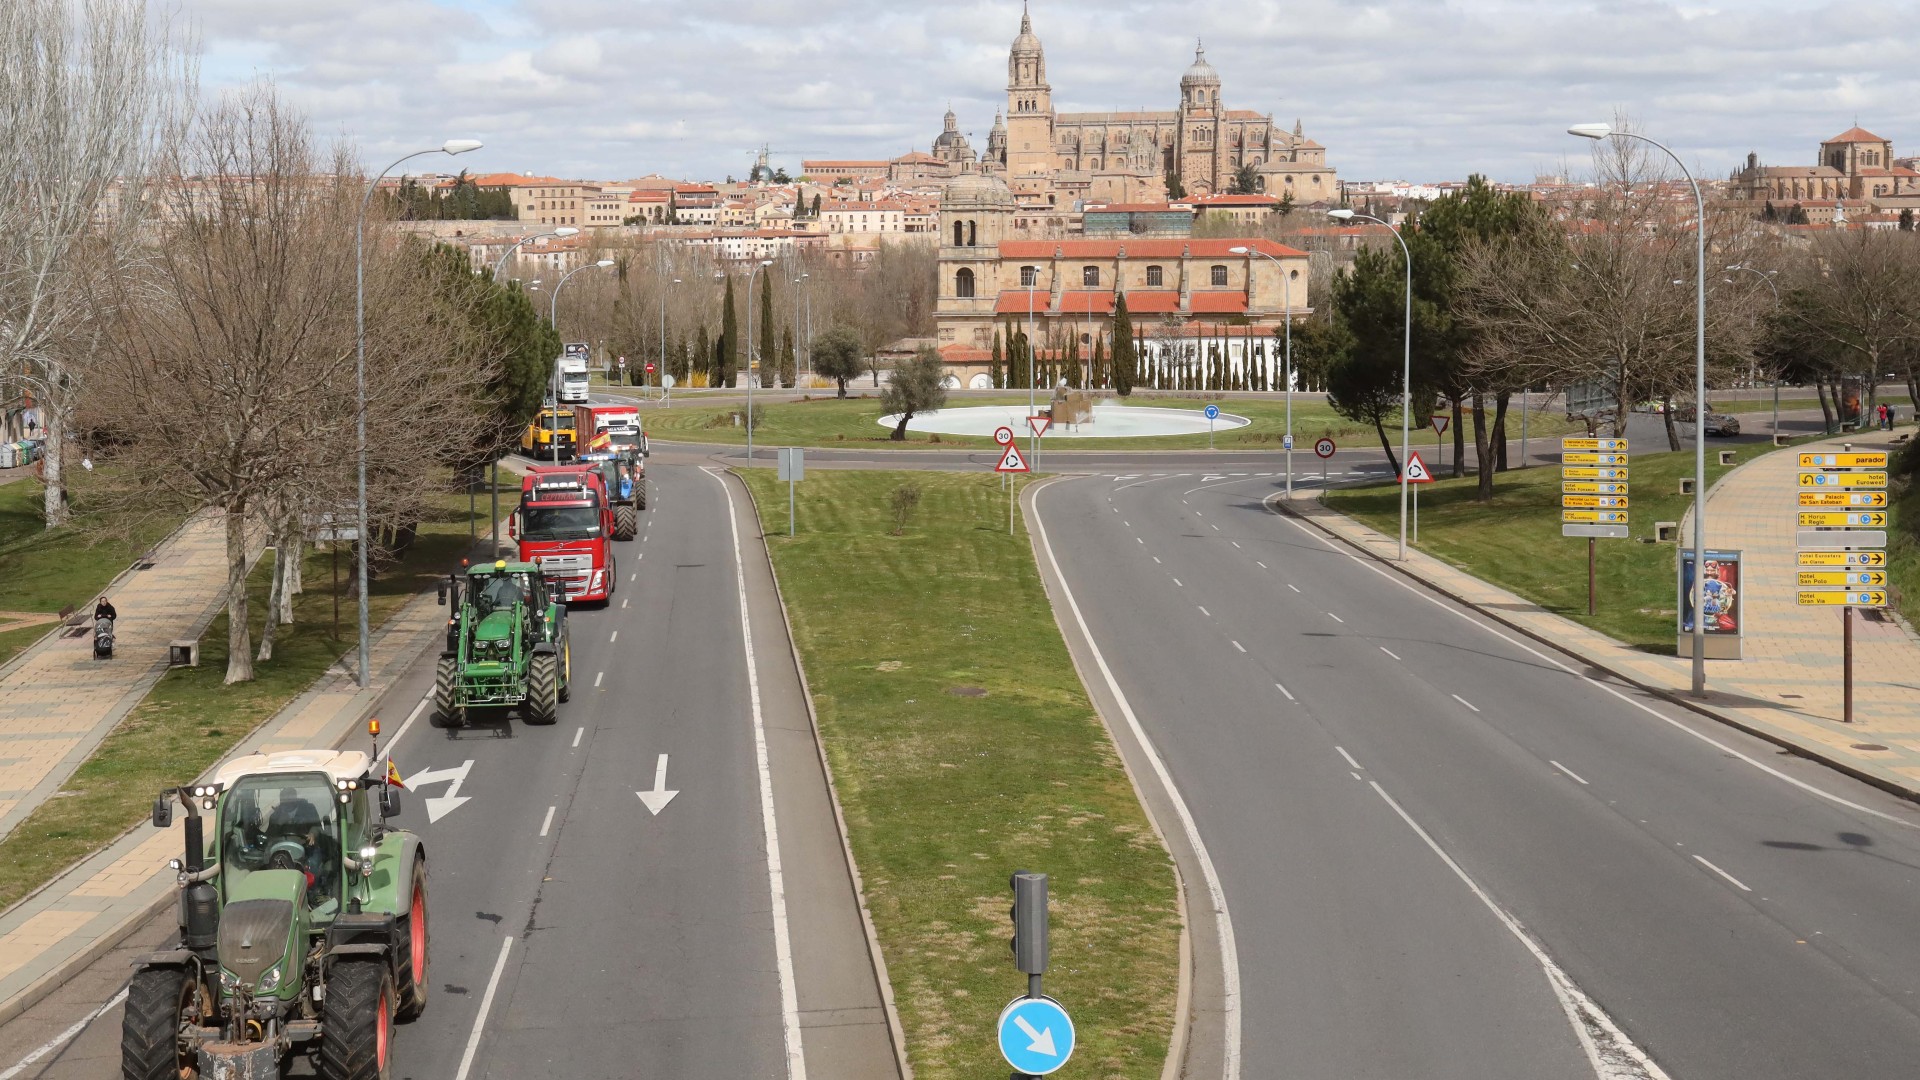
(550, 432)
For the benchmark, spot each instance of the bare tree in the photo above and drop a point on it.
(1860, 292)
(90, 95)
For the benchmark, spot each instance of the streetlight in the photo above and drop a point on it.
(1603, 131)
(1767, 276)
(750, 276)
(553, 319)
(451, 146)
(1033, 370)
(1286, 290)
(498, 267)
(1406, 370)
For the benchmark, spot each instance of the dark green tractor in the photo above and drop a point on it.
(507, 645)
(303, 925)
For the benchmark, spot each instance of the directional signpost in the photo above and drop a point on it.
(1593, 495)
(1012, 462)
(1213, 413)
(1841, 528)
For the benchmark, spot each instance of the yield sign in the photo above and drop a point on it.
(1439, 424)
(1416, 471)
(1039, 424)
(1011, 461)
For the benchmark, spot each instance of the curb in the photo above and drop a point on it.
(896, 1033)
(1886, 784)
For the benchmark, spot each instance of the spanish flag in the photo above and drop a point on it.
(601, 441)
(393, 776)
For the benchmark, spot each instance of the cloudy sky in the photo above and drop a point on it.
(1412, 89)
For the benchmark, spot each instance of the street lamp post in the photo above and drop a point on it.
(1603, 131)
(1286, 292)
(553, 320)
(1033, 375)
(750, 276)
(1767, 276)
(450, 147)
(1406, 369)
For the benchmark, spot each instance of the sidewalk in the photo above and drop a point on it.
(57, 702)
(1787, 690)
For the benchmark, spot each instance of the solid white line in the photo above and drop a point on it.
(1586, 1017)
(1292, 586)
(1229, 951)
(1285, 691)
(61, 1039)
(486, 1003)
(1239, 646)
(576, 736)
(776, 877)
(1388, 651)
(1335, 618)
(1736, 881)
(597, 676)
(398, 735)
(1465, 702)
(1204, 611)
(1566, 770)
(548, 823)
(1349, 757)
(613, 637)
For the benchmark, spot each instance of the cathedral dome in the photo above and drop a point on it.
(1201, 73)
(976, 191)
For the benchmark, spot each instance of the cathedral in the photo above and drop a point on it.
(1056, 159)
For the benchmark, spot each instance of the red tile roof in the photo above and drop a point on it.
(1133, 208)
(1237, 200)
(1218, 303)
(1154, 302)
(1856, 134)
(1139, 302)
(964, 354)
(1014, 302)
(1141, 249)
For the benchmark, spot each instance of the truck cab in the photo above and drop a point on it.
(565, 525)
(552, 431)
(574, 383)
(613, 428)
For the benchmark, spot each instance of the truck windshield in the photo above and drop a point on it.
(282, 823)
(560, 523)
(566, 421)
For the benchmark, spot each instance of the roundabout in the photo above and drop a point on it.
(1109, 422)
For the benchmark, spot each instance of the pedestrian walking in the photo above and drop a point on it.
(1883, 418)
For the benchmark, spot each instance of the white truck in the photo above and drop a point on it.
(573, 373)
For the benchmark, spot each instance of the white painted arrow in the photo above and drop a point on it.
(1042, 1040)
(452, 800)
(657, 799)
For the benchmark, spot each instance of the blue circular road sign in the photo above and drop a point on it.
(1213, 412)
(1036, 1037)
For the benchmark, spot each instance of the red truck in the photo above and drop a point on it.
(619, 424)
(565, 524)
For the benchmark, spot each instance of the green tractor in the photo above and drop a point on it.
(303, 925)
(507, 645)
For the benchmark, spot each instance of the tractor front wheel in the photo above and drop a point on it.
(445, 712)
(626, 522)
(543, 689)
(160, 1002)
(640, 494)
(356, 1024)
(413, 948)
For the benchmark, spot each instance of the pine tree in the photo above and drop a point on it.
(1124, 356)
(766, 325)
(994, 374)
(725, 371)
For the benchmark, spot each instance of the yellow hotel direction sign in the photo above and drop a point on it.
(1843, 558)
(1582, 473)
(1844, 461)
(1603, 517)
(1842, 598)
(1855, 578)
(1594, 487)
(1843, 480)
(1864, 519)
(1593, 459)
(1618, 446)
(1842, 498)
(1609, 502)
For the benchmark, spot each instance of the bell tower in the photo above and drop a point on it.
(1029, 104)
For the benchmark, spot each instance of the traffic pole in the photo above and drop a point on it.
(1846, 633)
(1591, 543)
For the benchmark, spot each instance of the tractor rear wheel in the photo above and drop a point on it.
(356, 1022)
(640, 494)
(412, 947)
(626, 522)
(159, 1001)
(445, 712)
(543, 689)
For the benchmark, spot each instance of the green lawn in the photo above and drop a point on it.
(964, 748)
(190, 720)
(1515, 541)
(42, 570)
(854, 422)
(12, 642)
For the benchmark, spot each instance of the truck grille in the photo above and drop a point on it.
(566, 564)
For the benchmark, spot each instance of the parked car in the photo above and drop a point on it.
(1722, 424)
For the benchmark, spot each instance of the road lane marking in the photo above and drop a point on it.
(398, 735)
(1335, 618)
(776, 876)
(1357, 776)
(1349, 757)
(1465, 702)
(1260, 564)
(1216, 893)
(1292, 586)
(597, 676)
(615, 636)
(1235, 543)
(1137, 540)
(1197, 513)
(1566, 770)
(1285, 691)
(1216, 528)
(1742, 886)
(623, 602)
(548, 823)
(1204, 611)
(1591, 1024)
(1239, 646)
(1176, 581)
(633, 575)
(1388, 651)
(1124, 521)
(63, 1038)
(486, 1003)
(577, 732)
(1156, 558)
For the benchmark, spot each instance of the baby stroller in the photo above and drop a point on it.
(103, 639)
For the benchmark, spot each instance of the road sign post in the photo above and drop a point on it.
(1593, 498)
(792, 466)
(1213, 413)
(1416, 473)
(1840, 522)
(1034, 1033)
(1439, 451)
(1323, 449)
(1012, 462)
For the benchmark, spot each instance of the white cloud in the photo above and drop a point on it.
(1403, 88)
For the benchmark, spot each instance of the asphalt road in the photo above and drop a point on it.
(574, 932)
(1436, 841)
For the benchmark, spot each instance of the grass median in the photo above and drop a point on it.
(964, 748)
(855, 422)
(45, 570)
(1515, 542)
(190, 720)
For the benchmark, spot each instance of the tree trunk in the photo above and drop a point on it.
(275, 594)
(1459, 437)
(1826, 408)
(1500, 403)
(1666, 417)
(1386, 444)
(239, 641)
(52, 471)
(900, 429)
(1482, 451)
(843, 387)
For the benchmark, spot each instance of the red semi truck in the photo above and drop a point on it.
(565, 524)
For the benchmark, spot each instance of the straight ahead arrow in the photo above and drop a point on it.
(657, 799)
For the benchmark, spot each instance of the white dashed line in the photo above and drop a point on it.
(1239, 646)
(623, 603)
(1216, 528)
(1285, 691)
(1388, 651)
(1260, 564)
(1127, 523)
(1465, 702)
(597, 676)
(613, 637)
(1292, 586)
(1742, 886)
(1235, 543)
(547, 824)
(1176, 581)
(633, 576)
(1137, 540)
(1204, 611)
(486, 1004)
(1335, 618)
(1349, 757)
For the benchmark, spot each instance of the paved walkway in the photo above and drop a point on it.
(1788, 688)
(57, 702)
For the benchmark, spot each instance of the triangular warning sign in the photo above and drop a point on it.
(1416, 472)
(1039, 424)
(1011, 461)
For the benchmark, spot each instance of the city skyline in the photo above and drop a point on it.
(547, 83)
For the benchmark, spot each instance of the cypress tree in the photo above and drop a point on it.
(1097, 377)
(728, 363)
(1073, 362)
(789, 369)
(995, 375)
(702, 354)
(766, 323)
(1124, 356)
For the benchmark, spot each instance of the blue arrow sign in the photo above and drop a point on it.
(1213, 412)
(1036, 1037)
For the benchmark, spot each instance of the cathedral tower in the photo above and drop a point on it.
(1029, 105)
(1197, 151)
